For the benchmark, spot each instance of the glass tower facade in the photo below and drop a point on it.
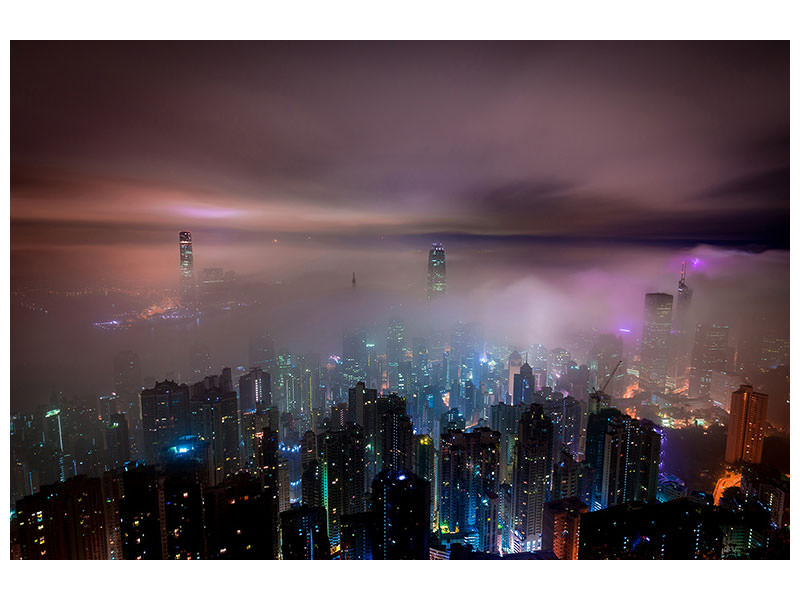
(437, 283)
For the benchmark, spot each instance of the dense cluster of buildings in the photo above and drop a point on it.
(431, 448)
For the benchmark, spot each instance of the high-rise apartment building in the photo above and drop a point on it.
(746, 426)
(401, 504)
(532, 474)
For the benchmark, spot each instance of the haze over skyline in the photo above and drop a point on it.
(564, 179)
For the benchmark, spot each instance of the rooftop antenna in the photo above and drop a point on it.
(354, 280)
(683, 273)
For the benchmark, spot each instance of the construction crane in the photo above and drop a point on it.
(596, 396)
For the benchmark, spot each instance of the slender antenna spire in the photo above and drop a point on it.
(354, 279)
(683, 272)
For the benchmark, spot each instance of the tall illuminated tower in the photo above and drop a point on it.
(656, 342)
(437, 283)
(682, 338)
(532, 474)
(186, 265)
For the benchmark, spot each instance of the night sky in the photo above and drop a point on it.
(565, 179)
(655, 143)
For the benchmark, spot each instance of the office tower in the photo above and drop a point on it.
(746, 426)
(341, 454)
(469, 469)
(63, 521)
(165, 416)
(437, 281)
(186, 266)
(681, 343)
(141, 515)
(532, 472)
(678, 530)
(117, 442)
(504, 418)
(354, 356)
(255, 390)
(397, 438)
(395, 352)
(127, 385)
(524, 385)
(624, 456)
(514, 366)
(239, 520)
(561, 527)
(304, 534)
(401, 503)
(656, 342)
(710, 353)
(213, 417)
(605, 356)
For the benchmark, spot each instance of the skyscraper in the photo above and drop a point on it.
(624, 456)
(532, 473)
(213, 417)
(401, 503)
(304, 534)
(747, 425)
(269, 477)
(469, 471)
(186, 266)
(165, 416)
(514, 365)
(710, 354)
(354, 357)
(656, 342)
(397, 438)
(341, 454)
(118, 444)
(127, 385)
(437, 283)
(64, 521)
(561, 527)
(395, 352)
(255, 391)
(681, 326)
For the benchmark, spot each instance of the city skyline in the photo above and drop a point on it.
(399, 300)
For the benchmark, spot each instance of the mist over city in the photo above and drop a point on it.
(468, 271)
